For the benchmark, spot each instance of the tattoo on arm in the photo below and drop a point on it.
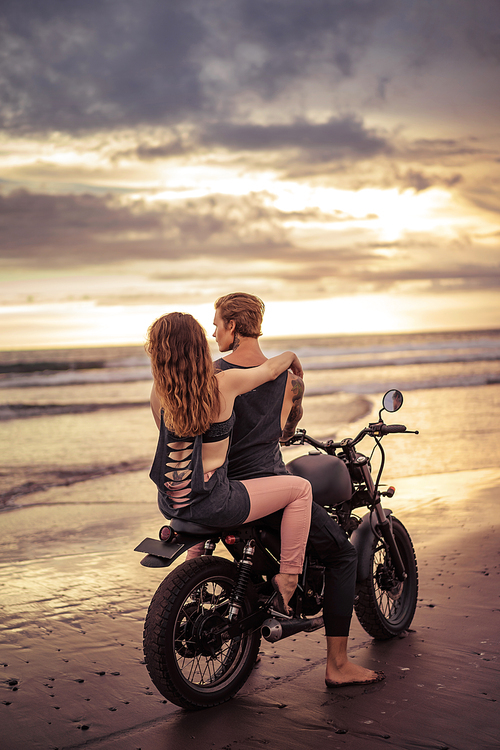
(296, 412)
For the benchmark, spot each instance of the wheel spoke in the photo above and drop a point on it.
(200, 663)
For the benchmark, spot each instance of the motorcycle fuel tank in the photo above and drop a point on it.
(329, 477)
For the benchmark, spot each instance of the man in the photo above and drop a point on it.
(272, 411)
(264, 417)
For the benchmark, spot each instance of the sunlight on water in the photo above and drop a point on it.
(85, 323)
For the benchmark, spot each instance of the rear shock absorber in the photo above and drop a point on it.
(240, 587)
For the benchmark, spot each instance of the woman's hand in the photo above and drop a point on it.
(296, 367)
(232, 383)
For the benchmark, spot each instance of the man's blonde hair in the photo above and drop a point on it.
(246, 310)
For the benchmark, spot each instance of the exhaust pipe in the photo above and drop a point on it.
(274, 630)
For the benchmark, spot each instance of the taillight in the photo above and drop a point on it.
(166, 534)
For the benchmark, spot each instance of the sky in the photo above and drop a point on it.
(338, 158)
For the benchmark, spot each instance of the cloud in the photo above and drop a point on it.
(75, 230)
(162, 151)
(485, 197)
(288, 145)
(272, 43)
(431, 149)
(78, 229)
(187, 241)
(419, 180)
(455, 28)
(88, 65)
(337, 137)
(50, 230)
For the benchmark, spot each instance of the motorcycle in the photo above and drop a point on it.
(204, 625)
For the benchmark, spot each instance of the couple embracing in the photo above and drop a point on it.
(218, 460)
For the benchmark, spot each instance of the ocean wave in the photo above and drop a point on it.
(377, 387)
(313, 364)
(334, 351)
(363, 387)
(327, 363)
(79, 377)
(26, 411)
(45, 480)
(97, 379)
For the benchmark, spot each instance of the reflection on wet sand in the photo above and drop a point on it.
(73, 664)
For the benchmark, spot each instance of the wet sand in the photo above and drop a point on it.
(74, 603)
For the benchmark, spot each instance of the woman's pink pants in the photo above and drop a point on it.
(285, 492)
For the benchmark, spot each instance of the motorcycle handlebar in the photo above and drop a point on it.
(302, 437)
(386, 429)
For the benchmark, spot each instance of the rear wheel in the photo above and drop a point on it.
(190, 662)
(384, 605)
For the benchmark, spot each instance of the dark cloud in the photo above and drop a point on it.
(297, 34)
(419, 180)
(162, 151)
(170, 144)
(346, 135)
(86, 64)
(452, 28)
(431, 149)
(297, 143)
(78, 229)
(53, 230)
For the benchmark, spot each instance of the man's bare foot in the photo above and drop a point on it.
(285, 585)
(349, 673)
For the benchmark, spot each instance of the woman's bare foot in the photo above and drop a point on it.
(285, 585)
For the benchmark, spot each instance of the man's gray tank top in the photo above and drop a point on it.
(255, 450)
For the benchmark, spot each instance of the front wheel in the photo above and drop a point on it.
(384, 605)
(190, 661)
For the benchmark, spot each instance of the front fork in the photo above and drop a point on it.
(383, 523)
(385, 527)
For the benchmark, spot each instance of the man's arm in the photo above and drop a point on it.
(293, 404)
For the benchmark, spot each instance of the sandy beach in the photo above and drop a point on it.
(75, 499)
(71, 655)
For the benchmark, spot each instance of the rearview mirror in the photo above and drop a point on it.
(393, 400)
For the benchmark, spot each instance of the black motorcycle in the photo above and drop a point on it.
(204, 625)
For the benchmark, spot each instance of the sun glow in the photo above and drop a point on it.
(88, 324)
(390, 212)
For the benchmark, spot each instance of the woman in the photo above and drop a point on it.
(193, 409)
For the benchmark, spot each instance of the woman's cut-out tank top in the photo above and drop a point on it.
(183, 490)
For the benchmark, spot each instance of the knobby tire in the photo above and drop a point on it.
(188, 664)
(384, 606)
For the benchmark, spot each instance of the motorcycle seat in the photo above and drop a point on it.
(192, 528)
(197, 529)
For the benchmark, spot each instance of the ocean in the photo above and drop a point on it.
(71, 415)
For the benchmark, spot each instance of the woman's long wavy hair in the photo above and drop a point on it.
(183, 373)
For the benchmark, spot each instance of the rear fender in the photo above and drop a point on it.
(362, 539)
(162, 554)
